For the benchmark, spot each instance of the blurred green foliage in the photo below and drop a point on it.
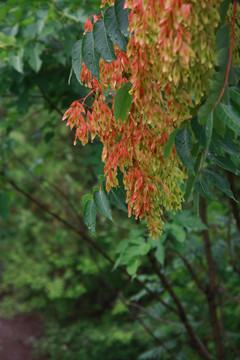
(89, 311)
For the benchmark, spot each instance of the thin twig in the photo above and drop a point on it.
(49, 101)
(232, 201)
(86, 238)
(153, 315)
(192, 273)
(212, 288)
(230, 54)
(127, 305)
(196, 343)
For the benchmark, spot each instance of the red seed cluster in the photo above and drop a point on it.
(169, 60)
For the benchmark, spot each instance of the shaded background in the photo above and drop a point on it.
(72, 305)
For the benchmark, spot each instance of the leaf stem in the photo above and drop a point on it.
(230, 54)
(203, 158)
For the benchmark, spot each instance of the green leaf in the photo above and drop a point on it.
(228, 145)
(160, 253)
(113, 29)
(177, 231)
(170, 142)
(160, 240)
(101, 178)
(219, 124)
(189, 185)
(103, 44)
(77, 59)
(102, 203)
(89, 215)
(229, 116)
(223, 56)
(122, 16)
(204, 111)
(50, 28)
(198, 161)
(133, 266)
(217, 180)
(196, 202)
(122, 246)
(86, 198)
(235, 95)
(90, 55)
(143, 249)
(138, 241)
(17, 60)
(223, 9)
(127, 252)
(96, 188)
(215, 146)
(42, 15)
(209, 128)
(123, 102)
(31, 30)
(233, 78)
(4, 205)
(224, 162)
(198, 131)
(188, 220)
(216, 85)
(5, 9)
(183, 143)
(78, 15)
(202, 187)
(34, 57)
(70, 76)
(222, 36)
(6, 41)
(117, 197)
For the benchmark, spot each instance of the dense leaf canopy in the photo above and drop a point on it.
(102, 286)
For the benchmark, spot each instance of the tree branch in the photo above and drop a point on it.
(86, 238)
(212, 288)
(230, 54)
(127, 305)
(154, 316)
(49, 101)
(157, 340)
(39, 180)
(232, 202)
(192, 273)
(194, 340)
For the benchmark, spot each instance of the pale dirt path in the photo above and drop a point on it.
(15, 337)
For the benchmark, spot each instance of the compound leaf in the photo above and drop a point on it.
(89, 215)
(77, 59)
(90, 55)
(183, 143)
(102, 42)
(229, 116)
(123, 102)
(113, 29)
(102, 203)
(122, 16)
(169, 144)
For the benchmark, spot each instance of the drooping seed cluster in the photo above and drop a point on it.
(169, 60)
(236, 43)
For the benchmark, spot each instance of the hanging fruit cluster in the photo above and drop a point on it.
(148, 68)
